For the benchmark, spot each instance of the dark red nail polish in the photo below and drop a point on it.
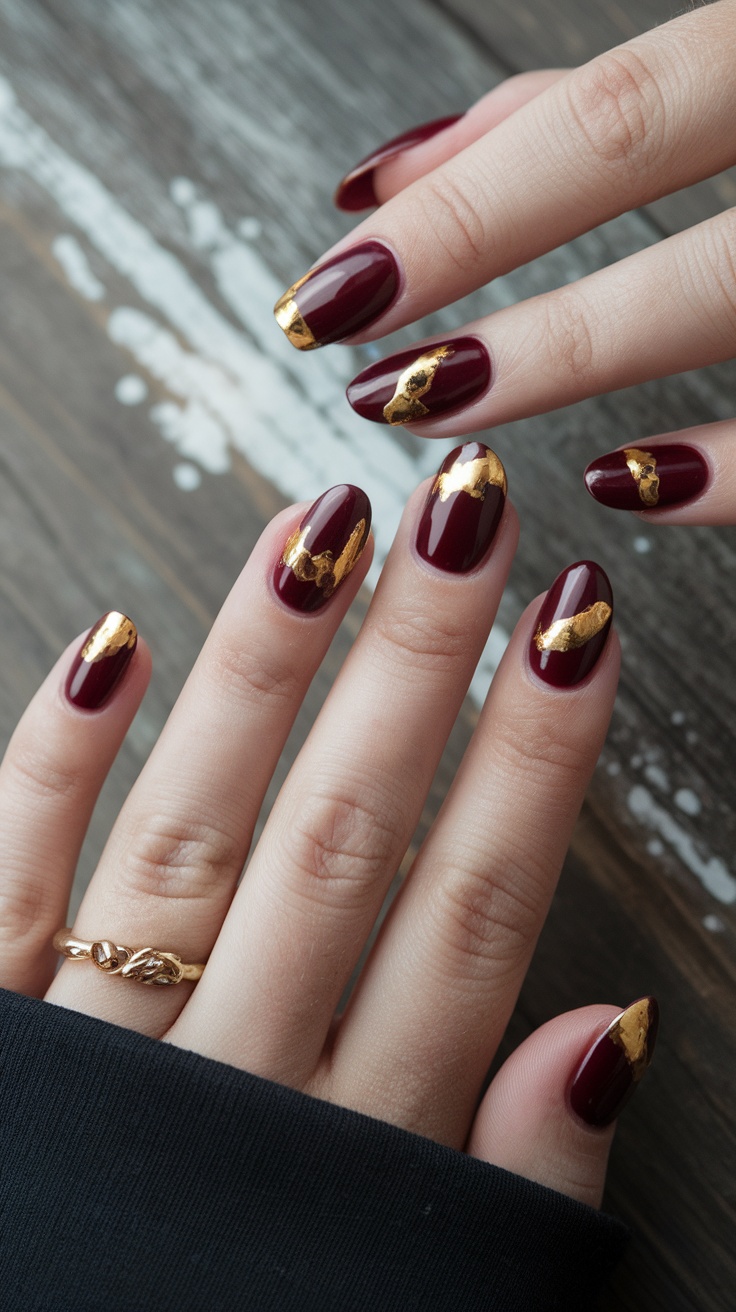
(641, 478)
(572, 625)
(611, 1070)
(324, 549)
(339, 297)
(102, 661)
(463, 509)
(418, 384)
(355, 192)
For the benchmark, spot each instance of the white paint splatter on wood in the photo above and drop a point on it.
(711, 871)
(75, 264)
(131, 390)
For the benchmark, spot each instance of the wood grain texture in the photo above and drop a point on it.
(260, 109)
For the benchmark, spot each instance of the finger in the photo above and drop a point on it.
(549, 1114)
(677, 478)
(343, 821)
(634, 124)
(392, 166)
(664, 310)
(55, 765)
(169, 870)
(434, 1000)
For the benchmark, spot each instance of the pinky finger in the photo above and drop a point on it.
(550, 1112)
(391, 167)
(677, 478)
(55, 765)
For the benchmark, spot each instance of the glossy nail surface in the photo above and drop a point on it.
(419, 384)
(102, 661)
(610, 1071)
(355, 192)
(324, 549)
(642, 478)
(339, 297)
(573, 625)
(463, 509)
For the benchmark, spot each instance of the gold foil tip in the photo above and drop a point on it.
(322, 569)
(413, 383)
(643, 468)
(630, 1032)
(114, 633)
(567, 634)
(473, 477)
(288, 317)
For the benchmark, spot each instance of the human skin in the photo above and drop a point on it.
(541, 159)
(434, 998)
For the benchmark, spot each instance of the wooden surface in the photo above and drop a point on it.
(165, 170)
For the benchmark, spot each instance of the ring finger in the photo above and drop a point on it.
(170, 867)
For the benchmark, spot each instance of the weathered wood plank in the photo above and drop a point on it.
(210, 146)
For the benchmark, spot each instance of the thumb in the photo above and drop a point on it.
(549, 1114)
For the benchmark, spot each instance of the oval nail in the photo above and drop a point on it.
(422, 383)
(572, 626)
(647, 477)
(324, 549)
(463, 510)
(355, 191)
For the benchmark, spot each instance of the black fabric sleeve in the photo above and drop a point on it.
(138, 1175)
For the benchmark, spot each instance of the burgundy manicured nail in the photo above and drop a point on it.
(324, 549)
(355, 192)
(417, 384)
(339, 297)
(611, 1070)
(463, 509)
(572, 625)
(640, 478)
(102, 661)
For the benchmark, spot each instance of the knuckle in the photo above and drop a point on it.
(42, 776)
(24, 915)
(339, 846)
(252, 673)
(542, 755)
(618, 108)
(566, 324)
(487, 921)
(180, 857)
(455, 212)
(714, 257)
(420, 641)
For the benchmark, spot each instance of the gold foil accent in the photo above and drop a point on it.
(413, 382)
(473, 477)
(114, 633)
(567, 634)
(288, 317)
(643, 467)
(323, 569)
(630, 1032)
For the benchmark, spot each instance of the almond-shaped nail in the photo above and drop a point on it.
(324, 549)
(572, 626)
(101, 661)
(422, 384)
(463, 509)
(610, 1072)
(339, 297)
(639, 478)
(355, 192)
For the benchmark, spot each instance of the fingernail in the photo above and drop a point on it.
(463, 509)
(339, 297)
(611, 1070)
(572, 625)
(324, 549)
(355, 192)
(102, 661)
(637, 479)
(411, 385)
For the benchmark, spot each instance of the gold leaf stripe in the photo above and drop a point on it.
(414, 382)
(643, 469)
(567, 634)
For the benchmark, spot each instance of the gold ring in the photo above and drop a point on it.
(148, 965)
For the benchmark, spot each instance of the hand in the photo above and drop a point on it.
(540, 160)
(432, 1003)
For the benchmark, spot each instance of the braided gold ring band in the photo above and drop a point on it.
(149, 965)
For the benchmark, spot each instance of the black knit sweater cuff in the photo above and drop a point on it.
(136, 1174)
